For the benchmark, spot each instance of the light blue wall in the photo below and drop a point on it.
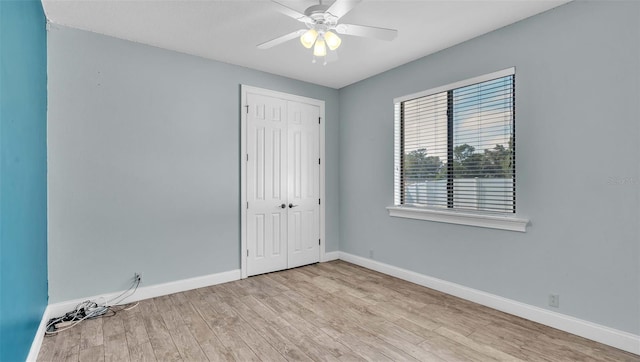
(578, 158)
(23, 175)
(144, 173)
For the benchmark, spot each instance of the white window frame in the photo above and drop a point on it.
(510, 222)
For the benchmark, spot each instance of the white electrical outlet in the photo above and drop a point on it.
(554, 300)
(137, 276)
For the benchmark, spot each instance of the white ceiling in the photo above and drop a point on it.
(229, 31)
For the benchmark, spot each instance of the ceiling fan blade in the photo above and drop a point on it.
(292, 13)
(279, 40)
(367, 31)
(340, 7)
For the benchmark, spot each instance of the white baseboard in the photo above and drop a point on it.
(152, 291)
(332, 255)
(609, 336)
(37, 339)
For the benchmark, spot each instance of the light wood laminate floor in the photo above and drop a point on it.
(323, 312)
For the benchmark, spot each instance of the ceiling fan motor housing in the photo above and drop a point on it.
(322, 20)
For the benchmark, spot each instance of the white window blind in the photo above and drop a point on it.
(455, 146)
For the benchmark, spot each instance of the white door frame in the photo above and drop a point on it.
(243, 166)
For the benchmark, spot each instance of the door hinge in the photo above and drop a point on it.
(247, 204)
(247, 157)
(319, 120)
(318, 241)
(247, 252)
(318, 161)
(247, 107)
(318, 201)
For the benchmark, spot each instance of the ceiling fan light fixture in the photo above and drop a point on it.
(320, 49)
(308, 38)
(322, 26)
(333, 41)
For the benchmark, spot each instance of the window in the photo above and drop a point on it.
(455, 147)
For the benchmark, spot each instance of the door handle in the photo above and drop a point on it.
(283, 206)
(292, 206)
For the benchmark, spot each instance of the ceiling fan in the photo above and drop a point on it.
(322, 25)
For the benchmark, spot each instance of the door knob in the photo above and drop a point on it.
(292, 206)
(283, 206)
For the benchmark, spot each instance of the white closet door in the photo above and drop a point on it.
(282, 183)
(266, 184)
(304, 183)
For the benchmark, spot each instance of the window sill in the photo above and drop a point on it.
(460, 218)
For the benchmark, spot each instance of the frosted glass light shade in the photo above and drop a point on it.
(308, 38)
(320, 50)
(333, 41)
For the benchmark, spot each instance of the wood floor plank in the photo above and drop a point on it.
(285, 339)
(48, 348)
(345, 321)
(61, 346)
(73, 354)
(207, 340)
(501, 340)
(255, 341)
(265, 278)
(188, 347)
(317, 331)
(234, 344)
(115, 348)
(66, 345)
(159, 336)
(332, 311)
(238, 326)
(113, 326)
(142, 352)
(313, 341)
(172, 319)
(222, 325)
(134, 328)
(372, 342)
(260, 289)
(216, 351)
(324, 321)
(479, 348)
(304, 320)
(193, 320)
(92, 354)
(71, 344)
(91, 333)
